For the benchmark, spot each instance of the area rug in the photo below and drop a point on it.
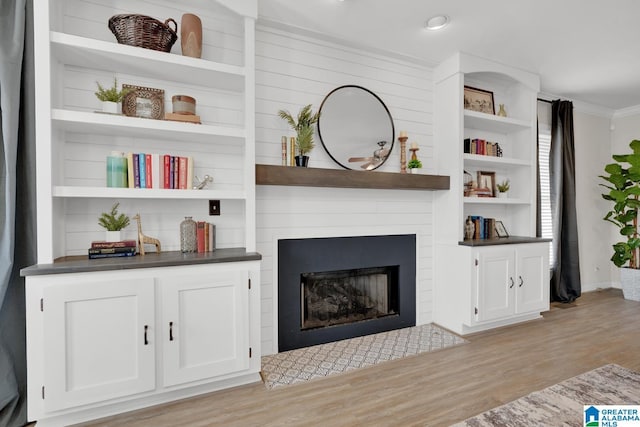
(304, 364)
(562, 403)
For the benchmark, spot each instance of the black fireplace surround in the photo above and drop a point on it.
(297, 257)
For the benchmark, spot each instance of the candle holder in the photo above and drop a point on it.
(403, 153)
(413, 153)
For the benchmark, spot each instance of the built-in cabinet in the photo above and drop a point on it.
(103, 342)
(490, 292)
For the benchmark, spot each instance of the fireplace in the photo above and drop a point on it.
(336, 288)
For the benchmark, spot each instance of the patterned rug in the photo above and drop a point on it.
(562, 403)
(304, 364)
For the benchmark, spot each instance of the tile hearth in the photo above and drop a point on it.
(304, 364)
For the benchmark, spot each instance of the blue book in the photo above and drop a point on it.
(143, 169)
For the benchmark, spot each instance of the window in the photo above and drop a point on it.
(546, 221)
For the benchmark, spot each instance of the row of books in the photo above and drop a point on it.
(102, 249)
(206, 236)
(159, 171)
(482, 147)
(485, 228)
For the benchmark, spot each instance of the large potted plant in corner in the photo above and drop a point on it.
(624, 190)
(304, 131)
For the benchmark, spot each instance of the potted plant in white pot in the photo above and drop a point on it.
(304, 131)
(113, 222)
(624, 190)
(503, 188)
(414, 164)
(110, 97)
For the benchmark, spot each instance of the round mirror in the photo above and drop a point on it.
(356, 128)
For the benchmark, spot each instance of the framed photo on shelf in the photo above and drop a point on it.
(145, 102)
(486, 184)
(478, 100)
(501, 231)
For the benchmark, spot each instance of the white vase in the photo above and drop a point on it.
(503, 195)
(630, 282)
(112, 236)
(110, 107)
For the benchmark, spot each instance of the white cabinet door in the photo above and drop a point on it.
(98, 341)
(532, 278)
(495, 283)
(205, 325)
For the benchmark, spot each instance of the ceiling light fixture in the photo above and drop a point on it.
(437, 22)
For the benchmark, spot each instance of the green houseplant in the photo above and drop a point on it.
(111, 96)
(623, 185)
(414, 164)
(303, 126)
(113, 222)
(503, 187)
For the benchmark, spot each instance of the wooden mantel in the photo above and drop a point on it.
(342, 178)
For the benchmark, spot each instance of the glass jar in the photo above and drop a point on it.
(188, 235)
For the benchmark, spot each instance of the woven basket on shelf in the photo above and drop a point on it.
(144, 31)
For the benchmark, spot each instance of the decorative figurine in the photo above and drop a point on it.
(202, 184)
(142, 239)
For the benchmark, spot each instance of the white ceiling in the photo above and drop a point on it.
(583, 50)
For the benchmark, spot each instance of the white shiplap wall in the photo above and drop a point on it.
(293, 70)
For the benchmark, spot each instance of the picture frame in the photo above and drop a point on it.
(479, 100)
(145, 102)
(486, 184)
(501, 230)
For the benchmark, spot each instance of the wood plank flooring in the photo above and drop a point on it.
(431, 389)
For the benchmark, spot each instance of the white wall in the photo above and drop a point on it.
(593, 152)
(294, 70)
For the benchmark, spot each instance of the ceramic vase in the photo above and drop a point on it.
(302, 161)
(188, 235)
(191, 35)
(110, 107)
(112, 236)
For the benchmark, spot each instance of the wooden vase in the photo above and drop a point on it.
(191, 35)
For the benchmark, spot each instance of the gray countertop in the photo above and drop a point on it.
(80, 264)
(511, 240)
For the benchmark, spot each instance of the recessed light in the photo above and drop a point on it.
(437, 22)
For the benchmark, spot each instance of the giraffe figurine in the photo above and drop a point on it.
(142, 239)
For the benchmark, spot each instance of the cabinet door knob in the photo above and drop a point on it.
(170, 331)
(511, 281)
(146, 328)
(521, 281)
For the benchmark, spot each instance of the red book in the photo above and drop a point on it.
(148, 171)
(182, 174)
(108, 245)
(166, 161)
(200, 236)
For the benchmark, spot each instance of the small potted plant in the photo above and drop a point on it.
(414, 164)
(304, 131)
(113, 222)
(503, 188)
(623, 185)
(110, 97)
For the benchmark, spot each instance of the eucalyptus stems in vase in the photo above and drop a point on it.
(303, 125)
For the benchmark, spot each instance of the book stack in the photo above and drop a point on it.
(206, 236)
(165, 171)
(482, 147)
(485, 227)
(102, 249)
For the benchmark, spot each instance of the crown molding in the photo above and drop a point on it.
(626, 112)
(580, 106)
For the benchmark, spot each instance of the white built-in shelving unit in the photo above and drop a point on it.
(478, 282)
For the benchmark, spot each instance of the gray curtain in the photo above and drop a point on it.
(17, 201)
(565, 273)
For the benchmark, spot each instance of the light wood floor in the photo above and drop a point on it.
(432, 389)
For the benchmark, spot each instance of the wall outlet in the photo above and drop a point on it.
(214, 207)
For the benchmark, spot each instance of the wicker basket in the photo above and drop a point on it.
(144, 31)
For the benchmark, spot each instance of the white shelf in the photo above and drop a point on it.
(119, 125)
(480, 160)
(494, 201)
(114, 57)
(488, 122)
(145, 193)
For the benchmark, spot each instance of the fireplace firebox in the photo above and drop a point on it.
(337, 288)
